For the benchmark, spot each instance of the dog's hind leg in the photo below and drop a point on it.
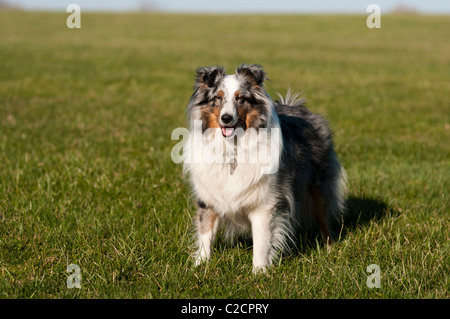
(320, 211)
(206, 221)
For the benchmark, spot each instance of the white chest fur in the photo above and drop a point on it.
(240, 177)
(228, 193)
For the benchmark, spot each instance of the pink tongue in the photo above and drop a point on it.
(227, 131)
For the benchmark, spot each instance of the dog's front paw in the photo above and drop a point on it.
(200, 259)
(259, 269)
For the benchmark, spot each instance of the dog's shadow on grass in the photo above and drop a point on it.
(360, 212)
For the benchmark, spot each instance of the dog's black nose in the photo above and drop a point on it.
(226, 118)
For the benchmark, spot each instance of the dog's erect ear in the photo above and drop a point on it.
(254, 72)
(210, 75)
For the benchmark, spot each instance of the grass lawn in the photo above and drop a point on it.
(86, 175)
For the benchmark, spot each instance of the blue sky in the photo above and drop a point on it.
(239, 6)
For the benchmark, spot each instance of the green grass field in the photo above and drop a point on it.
(86, 176)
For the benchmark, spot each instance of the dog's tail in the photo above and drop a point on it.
(291, 99)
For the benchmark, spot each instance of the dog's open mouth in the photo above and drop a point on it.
(227, 131)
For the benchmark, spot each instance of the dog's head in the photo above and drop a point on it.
(230, 101)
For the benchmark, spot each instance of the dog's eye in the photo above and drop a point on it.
(240, 99)
(218, 98)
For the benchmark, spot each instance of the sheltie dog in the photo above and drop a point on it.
(258, 165)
